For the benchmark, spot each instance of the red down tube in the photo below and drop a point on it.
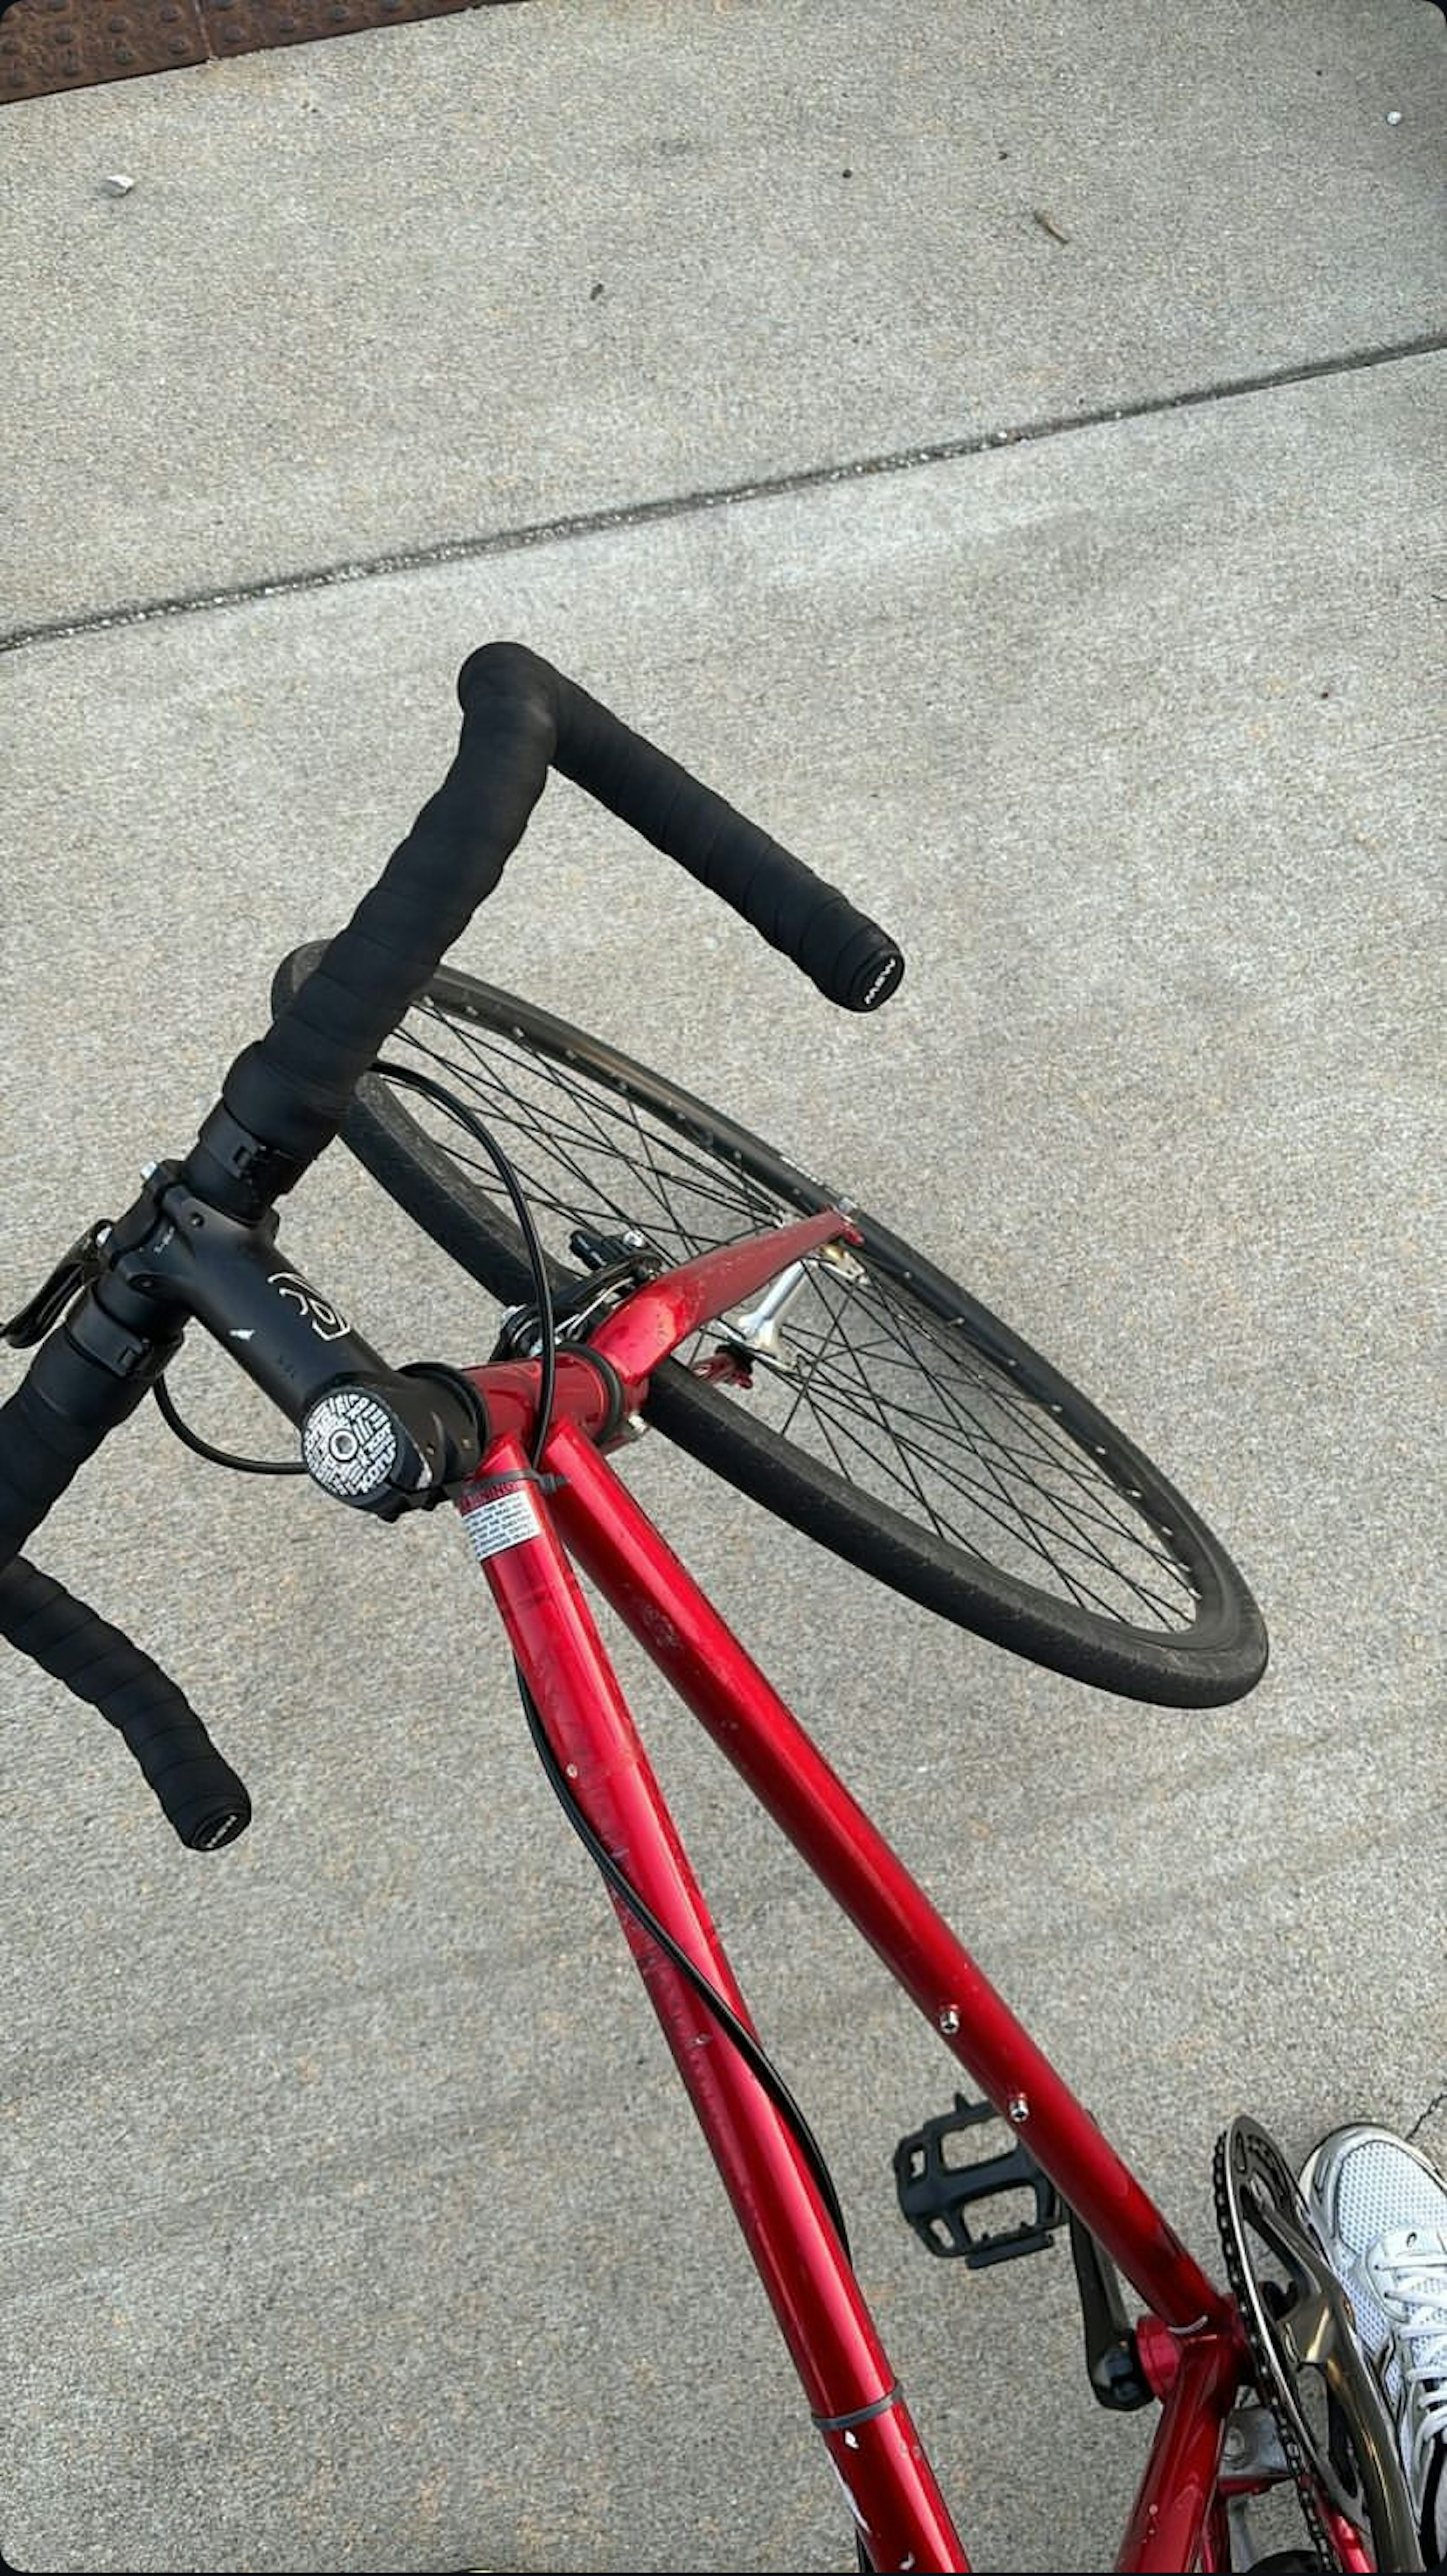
(618, 1547)
(831, 2337)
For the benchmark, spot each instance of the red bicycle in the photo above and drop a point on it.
(661, 1265)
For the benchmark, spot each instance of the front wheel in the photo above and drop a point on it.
(889, 1415)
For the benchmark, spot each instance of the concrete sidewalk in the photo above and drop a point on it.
(1073, 602)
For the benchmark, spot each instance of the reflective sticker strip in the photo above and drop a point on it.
(504, 1522)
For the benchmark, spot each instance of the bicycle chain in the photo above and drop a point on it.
(1270, 2378)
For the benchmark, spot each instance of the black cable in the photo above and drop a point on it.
(220, 1457)
(743, 2039)
(413, 1080)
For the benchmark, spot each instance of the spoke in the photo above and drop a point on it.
(652, 1178)
(984, 1442)
(982, 1502)
(965, 1419)
(519, 1118)
(1032, 1535)
(840, 1461)
(877, 1416)
(1134, 1533)
(596, 1106)
(1000, 1389)
(704, 1181)
(1063, 1456)
(783, 1427)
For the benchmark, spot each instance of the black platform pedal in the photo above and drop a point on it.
(934, 2194)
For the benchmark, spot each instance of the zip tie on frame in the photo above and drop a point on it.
(861, 2415)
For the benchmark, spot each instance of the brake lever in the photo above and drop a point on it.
(79, 1269)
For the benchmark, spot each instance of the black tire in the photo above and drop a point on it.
(1164, 1616)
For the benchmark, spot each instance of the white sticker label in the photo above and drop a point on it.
(505, 1522)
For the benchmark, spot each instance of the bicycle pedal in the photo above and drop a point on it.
(934, 2194)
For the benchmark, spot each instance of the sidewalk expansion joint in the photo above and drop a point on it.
(641, 514)
(1437, 2103)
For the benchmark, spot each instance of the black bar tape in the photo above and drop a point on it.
(56, 1419)
(292, 1089)
(520, 716)
(197, 1789)
(853, 961)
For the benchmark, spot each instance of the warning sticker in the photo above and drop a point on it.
(504, 1522)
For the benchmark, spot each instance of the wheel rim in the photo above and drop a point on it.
(890, 1380)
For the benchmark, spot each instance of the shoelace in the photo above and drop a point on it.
(1411, 2278)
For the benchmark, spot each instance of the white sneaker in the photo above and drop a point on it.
(1380, 2209)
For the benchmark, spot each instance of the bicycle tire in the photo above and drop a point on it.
(1201, 1641)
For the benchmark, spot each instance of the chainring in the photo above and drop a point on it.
(1298, 2319)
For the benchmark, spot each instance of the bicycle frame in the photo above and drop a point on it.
(529, 1530)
